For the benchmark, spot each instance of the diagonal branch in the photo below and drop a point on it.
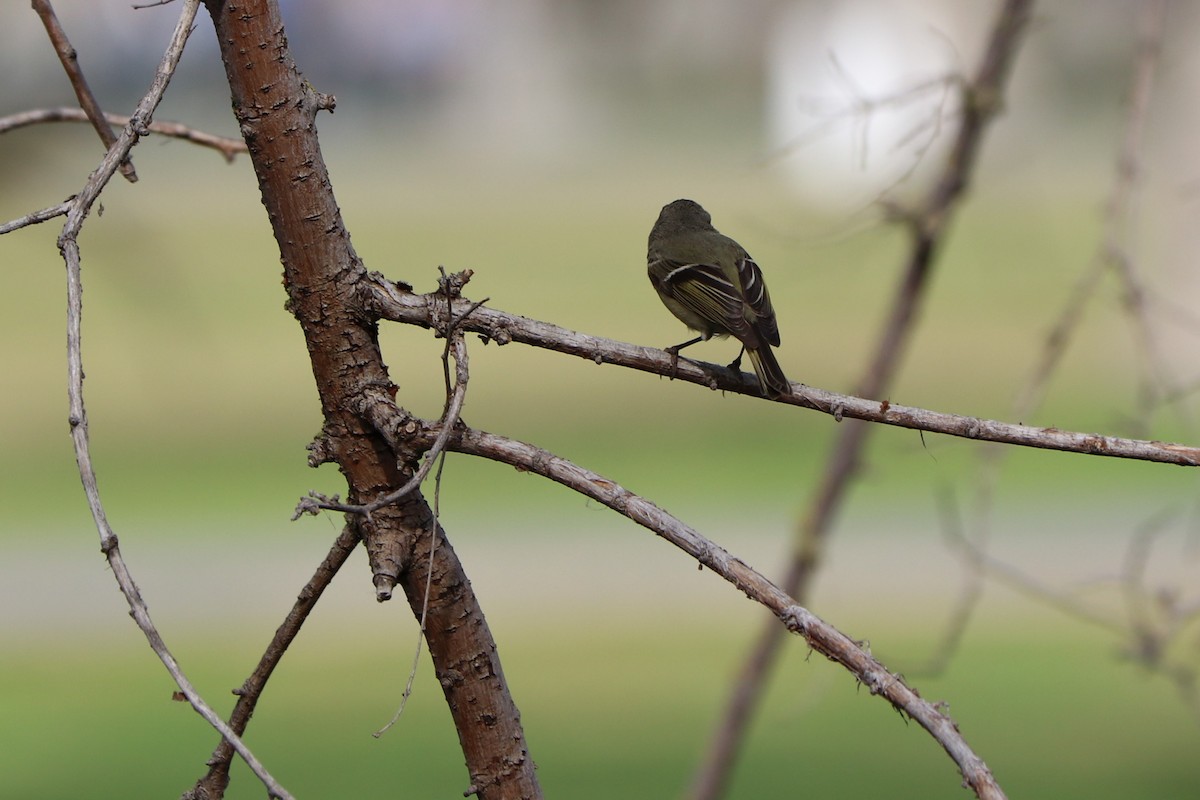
(276, 112)
(1112, 251)
(213, 783)
(87, 100)
(33, 218)
(396, 303)
(982, 99)
(819, 634)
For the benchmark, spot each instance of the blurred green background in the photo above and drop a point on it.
(535, 145)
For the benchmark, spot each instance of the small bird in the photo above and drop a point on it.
(714, 287)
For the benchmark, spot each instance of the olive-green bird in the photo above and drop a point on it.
(714, 287)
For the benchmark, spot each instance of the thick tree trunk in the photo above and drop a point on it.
(276, 109)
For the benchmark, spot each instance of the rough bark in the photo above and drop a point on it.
(276, 110)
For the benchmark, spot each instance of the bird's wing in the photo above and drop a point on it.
(758, 300)
(705, 290)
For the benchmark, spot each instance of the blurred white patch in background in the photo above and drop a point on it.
(857, 93)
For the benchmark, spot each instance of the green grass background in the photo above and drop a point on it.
(618, 651)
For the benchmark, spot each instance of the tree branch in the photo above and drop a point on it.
(214, 783)
(820, 635)
(33, 218)
(1113, 249)
(229, 148)
(396, 303)
(87, 100)
(276, 111)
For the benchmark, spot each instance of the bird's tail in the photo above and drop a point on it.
(770, 374)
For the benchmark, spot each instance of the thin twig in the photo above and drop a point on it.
(1118, 246)
(69, 246)
(1111, 252)
(227, 147)
(454, 339)
(87, 100)
(213, 783)
(35, 217)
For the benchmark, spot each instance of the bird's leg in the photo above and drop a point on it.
(736, 364)
(674, 351)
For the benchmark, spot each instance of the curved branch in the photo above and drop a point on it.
(229, 148)
(395, 303)
(69, 245)
(820, 635)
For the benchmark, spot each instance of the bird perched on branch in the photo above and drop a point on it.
(714, 287)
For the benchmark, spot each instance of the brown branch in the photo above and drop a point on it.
(1112, 251)
(400, 305)
(456, 396)
(229, 148)
(214, 783)
(820, 635)
(87, 100)
(276, 111)
(1117, 247)
(69, 246)
(981, 101)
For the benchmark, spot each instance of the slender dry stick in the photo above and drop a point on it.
(69, 246)
(455, 344)
(982, 98)
(1111, 251)
(229, 148)
(1117, 221)
(1118, 247)
(33, 218)
(214, 782)
(87, 100)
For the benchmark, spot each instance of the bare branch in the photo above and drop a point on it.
(981, 99)
(1154, 619)
(397, 304)
(34, 218)
(229, 148)
(68, 244)
(323, 275)
(213, 783)
(1111, 252)
(820, 635)
(70, 62)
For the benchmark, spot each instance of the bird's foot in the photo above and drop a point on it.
(674, 351)
(736, 364)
